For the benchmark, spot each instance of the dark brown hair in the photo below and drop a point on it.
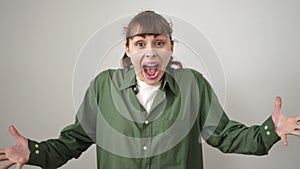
(146, 22)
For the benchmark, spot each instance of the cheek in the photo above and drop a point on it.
(165, 60)
(165, 55)
(132, 55)
(135, 61)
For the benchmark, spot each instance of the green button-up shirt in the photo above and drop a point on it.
(185, 112)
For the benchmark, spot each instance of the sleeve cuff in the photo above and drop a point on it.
(268, 133)
(37, 156)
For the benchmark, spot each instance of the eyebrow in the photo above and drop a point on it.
(145, 34)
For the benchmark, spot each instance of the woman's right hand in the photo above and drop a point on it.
(18, 154)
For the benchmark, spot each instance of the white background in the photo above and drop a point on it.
(257, 42)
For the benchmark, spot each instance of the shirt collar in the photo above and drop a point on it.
(169, 81)
(130, 80)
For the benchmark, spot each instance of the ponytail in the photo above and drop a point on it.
(126, 62)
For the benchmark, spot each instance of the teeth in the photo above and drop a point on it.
(151, 65)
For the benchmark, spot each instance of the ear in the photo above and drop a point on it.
(172, 46)
(127, 50)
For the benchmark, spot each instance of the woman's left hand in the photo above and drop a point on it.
(284, 125)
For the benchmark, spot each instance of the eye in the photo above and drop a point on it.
(159, 43)
(140, 44)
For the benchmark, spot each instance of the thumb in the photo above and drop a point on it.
(278, 103)
(19, 166)
(284, 140)
(14, 132)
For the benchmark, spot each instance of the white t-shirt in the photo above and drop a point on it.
(146, 94)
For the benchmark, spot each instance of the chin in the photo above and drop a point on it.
(154, 81)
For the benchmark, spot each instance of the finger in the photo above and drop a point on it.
(3, 157)
(297, 127)
(2, 151)
(296, 133)
(19, 165)
(284, 140)
(278, 103)
(14, 132)
(7, 165)
(298, 119)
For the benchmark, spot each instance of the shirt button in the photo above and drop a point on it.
(266, 127)
(268, 133)
(36, 146)
(135, 89)
(37, 152)
(146, 122)
(145, 148)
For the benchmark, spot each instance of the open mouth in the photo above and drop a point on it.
(151, 70)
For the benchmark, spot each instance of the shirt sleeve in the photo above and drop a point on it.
(230, 136)
(56, 152)
(73, 139)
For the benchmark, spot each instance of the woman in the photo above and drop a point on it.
(150, 115)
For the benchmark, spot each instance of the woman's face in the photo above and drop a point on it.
(150, 55)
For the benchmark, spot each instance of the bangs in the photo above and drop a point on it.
(148, 23)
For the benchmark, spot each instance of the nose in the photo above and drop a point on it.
(150, 53)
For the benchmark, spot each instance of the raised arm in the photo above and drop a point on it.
(231, 136)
